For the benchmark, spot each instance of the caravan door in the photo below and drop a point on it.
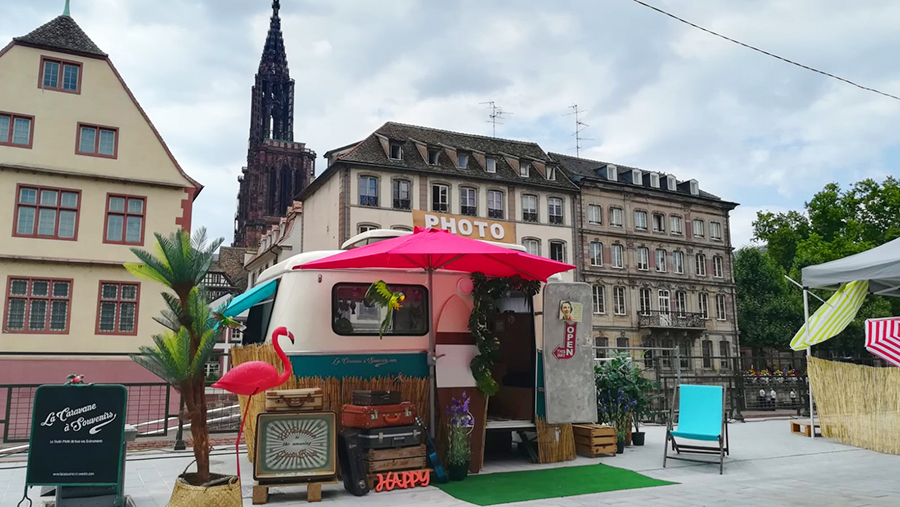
(570, 394)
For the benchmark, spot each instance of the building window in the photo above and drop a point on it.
(703, 305)
(353, 314)
(665, 301)
(644, 302)
(401, 194)
(463, 159)
(117, 312)
(659, 222)
(640, 220)
(366, 227)
(701, 264)
(98, 141)
(47, 213)
(678, 262)
(707, 353)
(618, 256)
(643, 258)
(368, 191)
(715, 231)
(622, 344)
(525, 170)
(529, 208)
(60, 75)
(491, 165)
(718, 267)
(495, 204)
(594, 214)
(396, 151)
(720, 306)
(680, 303)
(619, 300)
(558, 251)
(616, 217)
(676, 225)
(237, 335)
(667, 354)
(600, 347)
(37, 305)
(434, 156)
(213, 368)
(697, 228)
(596, 253)
(401, 228)
(724, 351)
(532, 246)
(599, 299)
(661, 261)
(551, 173)
(468, 201)
(555, 207)
(16, 130)
(440, 198)
(124, 219)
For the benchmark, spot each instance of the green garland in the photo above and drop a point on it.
(485, 294)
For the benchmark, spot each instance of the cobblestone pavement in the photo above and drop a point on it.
(768, 466)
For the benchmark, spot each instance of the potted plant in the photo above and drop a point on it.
(614, 407)
(182, 350)
(461, 423)
(640, 390)
(624, 396)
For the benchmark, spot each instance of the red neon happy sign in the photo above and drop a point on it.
(402, 480)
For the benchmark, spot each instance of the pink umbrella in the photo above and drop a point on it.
(432, 249)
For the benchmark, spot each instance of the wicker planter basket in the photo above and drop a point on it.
(222, 495)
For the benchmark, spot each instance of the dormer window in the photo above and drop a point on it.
(491, 165)
(637, 177)
(612, 172)
(551, 173)
(695, 187)
(654, 180)
(671, 183)
(525, 170)
(396, 151)
(463, 160)
(433, 156)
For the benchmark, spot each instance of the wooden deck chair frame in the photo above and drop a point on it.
(721, 450)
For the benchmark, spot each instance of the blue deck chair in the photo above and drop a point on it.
(701, 416)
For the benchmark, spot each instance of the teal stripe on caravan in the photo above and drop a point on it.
(831, 319)
(361, 365)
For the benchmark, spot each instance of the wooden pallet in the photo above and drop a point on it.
(592, 440)
(313, 490)
(802, 428)
(393, 460)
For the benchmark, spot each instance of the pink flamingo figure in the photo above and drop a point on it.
(253, 377)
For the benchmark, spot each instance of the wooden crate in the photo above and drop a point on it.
(802, 428)
(393, 460)
(592, 440)
(313, 490)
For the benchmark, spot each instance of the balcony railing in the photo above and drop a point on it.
(671, 320)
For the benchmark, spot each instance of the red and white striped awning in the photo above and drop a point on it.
(883, 338)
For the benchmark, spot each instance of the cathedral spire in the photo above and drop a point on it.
(274, 57)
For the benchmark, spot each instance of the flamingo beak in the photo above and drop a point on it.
(291, 336)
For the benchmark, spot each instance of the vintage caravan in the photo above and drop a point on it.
(545, 367)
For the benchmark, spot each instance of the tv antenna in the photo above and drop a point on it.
(579, 127)
(496, 116)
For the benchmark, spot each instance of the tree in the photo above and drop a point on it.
(767, 313)
(181, 352)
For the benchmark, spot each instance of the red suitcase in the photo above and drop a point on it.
(379, 416)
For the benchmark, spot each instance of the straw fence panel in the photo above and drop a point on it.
(858, 405)
(556, 442)
(336, 392)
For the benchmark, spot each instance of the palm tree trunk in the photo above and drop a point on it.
(200, 430)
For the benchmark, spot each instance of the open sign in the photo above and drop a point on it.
(470, 227)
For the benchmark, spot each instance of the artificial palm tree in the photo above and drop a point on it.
(181, 352)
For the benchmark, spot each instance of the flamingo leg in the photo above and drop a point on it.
(237, 443)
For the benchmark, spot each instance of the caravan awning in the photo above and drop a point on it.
(880, 266)
(250, 298)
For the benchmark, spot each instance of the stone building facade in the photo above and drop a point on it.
(658, 254)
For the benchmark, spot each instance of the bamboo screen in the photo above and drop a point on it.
(858, 405)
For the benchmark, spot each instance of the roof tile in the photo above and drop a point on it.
(63, 33)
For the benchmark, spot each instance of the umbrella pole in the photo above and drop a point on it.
(812, 426)
(431, 353)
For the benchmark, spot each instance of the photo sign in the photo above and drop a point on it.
(466, 226)
(77, 434)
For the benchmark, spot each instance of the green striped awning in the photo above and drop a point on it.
(831, 319)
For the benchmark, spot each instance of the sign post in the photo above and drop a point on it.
(77, 438)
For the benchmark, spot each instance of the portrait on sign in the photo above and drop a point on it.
(570, 311)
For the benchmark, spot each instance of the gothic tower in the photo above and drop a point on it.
(277, 167)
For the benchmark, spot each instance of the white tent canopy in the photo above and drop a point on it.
(880, 266)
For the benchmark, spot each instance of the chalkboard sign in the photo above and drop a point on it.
(77, 434)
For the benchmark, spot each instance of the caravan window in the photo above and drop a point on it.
(352, 314)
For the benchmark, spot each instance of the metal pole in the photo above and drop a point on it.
(812, 427)
(431, 354)
(678, 363)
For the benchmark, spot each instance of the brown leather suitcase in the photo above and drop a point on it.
(381, 416)
(370, 398)
(294, 400)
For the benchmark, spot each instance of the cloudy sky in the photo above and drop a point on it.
(658, 94)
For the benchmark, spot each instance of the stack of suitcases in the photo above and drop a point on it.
(380, 435)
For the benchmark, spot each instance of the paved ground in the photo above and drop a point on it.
(768, 466)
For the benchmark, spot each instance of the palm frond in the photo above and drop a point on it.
(207, 344)
(146, 272)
